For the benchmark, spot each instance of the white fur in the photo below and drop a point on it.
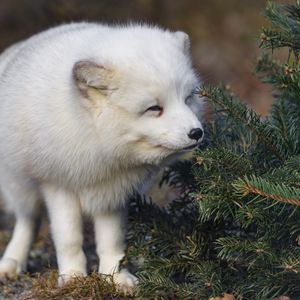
(75, 131)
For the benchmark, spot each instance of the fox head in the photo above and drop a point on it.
(141, 97)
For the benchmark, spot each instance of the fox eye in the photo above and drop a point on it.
(156, 110)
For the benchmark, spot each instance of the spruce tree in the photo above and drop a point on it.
(236, 226)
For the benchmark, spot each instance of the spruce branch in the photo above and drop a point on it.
(285, 78)
(244, 252)
(285, 30)
(238, 111)
(293, 162)
(284, 121)
(262, 187)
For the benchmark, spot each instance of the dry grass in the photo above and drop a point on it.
(81, 288)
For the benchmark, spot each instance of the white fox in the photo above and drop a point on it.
(87, 111)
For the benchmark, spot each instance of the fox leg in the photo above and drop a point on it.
(110, 234)
(22, 198)
(66, 226)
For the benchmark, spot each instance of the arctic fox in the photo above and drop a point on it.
(86, 112)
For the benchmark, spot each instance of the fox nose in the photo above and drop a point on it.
(195, 134)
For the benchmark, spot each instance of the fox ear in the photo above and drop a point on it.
(88, 74)
(184, 40)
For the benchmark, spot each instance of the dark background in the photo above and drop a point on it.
(223, 33)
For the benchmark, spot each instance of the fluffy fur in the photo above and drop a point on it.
(86, 112)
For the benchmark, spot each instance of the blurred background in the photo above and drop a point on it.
(223, 33)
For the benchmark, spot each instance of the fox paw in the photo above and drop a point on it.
(125, 282)
(69, 276)
(9, 268)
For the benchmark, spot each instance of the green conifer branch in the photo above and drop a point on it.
(285, 30)
(247, 116)
(266, 189)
